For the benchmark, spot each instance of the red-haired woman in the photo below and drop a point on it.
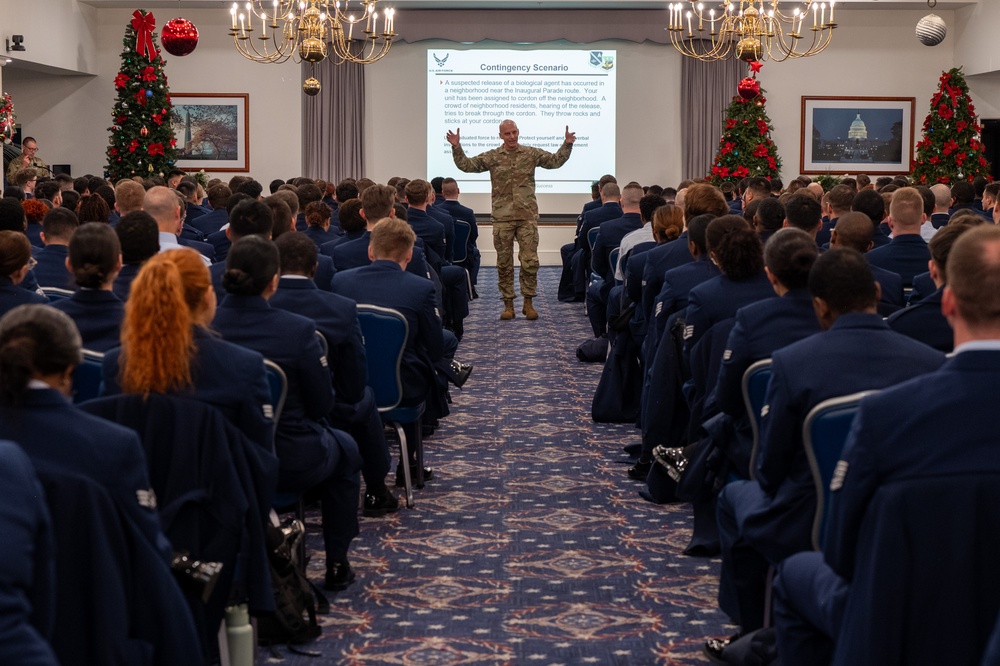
(168, 348)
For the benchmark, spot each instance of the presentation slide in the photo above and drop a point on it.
(542, 91)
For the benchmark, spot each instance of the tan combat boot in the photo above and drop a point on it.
(529, 310)
(508, 309)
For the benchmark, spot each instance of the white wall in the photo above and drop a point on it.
(65, 38)
(69, 115)
(873, 53)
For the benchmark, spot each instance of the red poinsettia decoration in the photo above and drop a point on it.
(760, 150)
(155, 149)
(741, 172)
(121, 80)
(946, 112)
(158, 118)
(133, 146)
(730, 123)
(148, 74)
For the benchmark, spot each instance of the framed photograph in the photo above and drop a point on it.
(869, 135)
(212, 131)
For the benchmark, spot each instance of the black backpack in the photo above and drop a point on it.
(293, 621)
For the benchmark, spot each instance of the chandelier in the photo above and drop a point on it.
(751, 29)
(312, 30)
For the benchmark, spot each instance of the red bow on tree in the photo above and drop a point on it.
(144, 24)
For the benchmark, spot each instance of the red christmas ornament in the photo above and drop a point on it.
(749, 88)
(179, 37)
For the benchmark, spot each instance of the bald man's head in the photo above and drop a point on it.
(853, 230)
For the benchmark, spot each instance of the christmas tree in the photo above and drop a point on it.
(951, 149)
(142, 138)
(746, 148)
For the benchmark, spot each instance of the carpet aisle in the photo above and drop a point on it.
(530, 546)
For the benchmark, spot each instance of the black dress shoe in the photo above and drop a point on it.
(475, 294)
(338, 576)
(380, 504)
(639, 471)
(715, 648)
(462, 372)
(401, 482)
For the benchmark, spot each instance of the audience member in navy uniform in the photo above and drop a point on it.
(281, 203)
(351, 223)
(665, 226)
(138, 237)
(192, 204)
(306, 193)
(768, 216)
(950, 432)
(39, 349)
(428, 229)
(907, 253)
(129, 196)
(924, 320)
(310, 453)
(95, 258)
(336, 318)
(57, 228)
(450, 192)
(736, 250)
(15, 261)
(610, 209)
(873, 205)
(570, 292)
(27, 576)
(854, 231)
(609, 237)
(318, 227)
(942, 202)
(93, 208)
(963, 196)
(346, 190)
(220, 239)
(248, 218)
(697, 200)
(838, 203)
(167, 347)
(376, 203)
(166, 207)
(678, 282)
(218, 216)
(772, 323)
(428, 359)
(762, 522)
(34, 213)
(446, 221)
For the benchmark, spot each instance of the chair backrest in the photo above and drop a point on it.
(323, 343)
(755, 381)
(55, 293)
(277, 381)
(462, 232)
(385, 332)
(613, 260)
(87, 376)
(824, 434)
(592, 236)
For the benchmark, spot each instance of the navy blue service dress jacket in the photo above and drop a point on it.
(661, 259)
(609, 237)
(97, 314)
(12, 295)
(27, 574)
(923, 321)
(906, 255)
(54, 431)
(123, 283)
(51, 270)
(718, 299)
(226, 376)
(354, 254)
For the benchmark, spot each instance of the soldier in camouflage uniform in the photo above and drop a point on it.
(515, 209)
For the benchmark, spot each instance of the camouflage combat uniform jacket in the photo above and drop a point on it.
(512, 173)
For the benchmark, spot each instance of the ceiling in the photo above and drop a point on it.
(532, 4)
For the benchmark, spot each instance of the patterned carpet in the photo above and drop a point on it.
(530, 546)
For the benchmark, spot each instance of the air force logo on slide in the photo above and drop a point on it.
(601, 61)
(441, 61)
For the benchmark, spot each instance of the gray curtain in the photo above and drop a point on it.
(708, 88)
(333, 122)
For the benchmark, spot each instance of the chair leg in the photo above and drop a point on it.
(404, 461)
(300, 513)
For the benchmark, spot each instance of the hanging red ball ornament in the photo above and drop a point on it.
(179, 36)
(749, 88)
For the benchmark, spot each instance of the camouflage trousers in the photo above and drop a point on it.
(526, 234)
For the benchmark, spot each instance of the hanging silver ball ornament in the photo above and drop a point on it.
(311, 86)
(931, 30)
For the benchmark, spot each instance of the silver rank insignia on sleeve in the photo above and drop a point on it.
(688, 331)
(268, 412)
(839, 472)
(146, 498)
(764, 410)
(726, 355)
(323, 361)
(659, 309)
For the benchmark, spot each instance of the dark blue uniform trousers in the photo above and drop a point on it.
(809, 602)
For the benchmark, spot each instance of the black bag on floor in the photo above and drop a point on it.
(594, 350)
(294, 619)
